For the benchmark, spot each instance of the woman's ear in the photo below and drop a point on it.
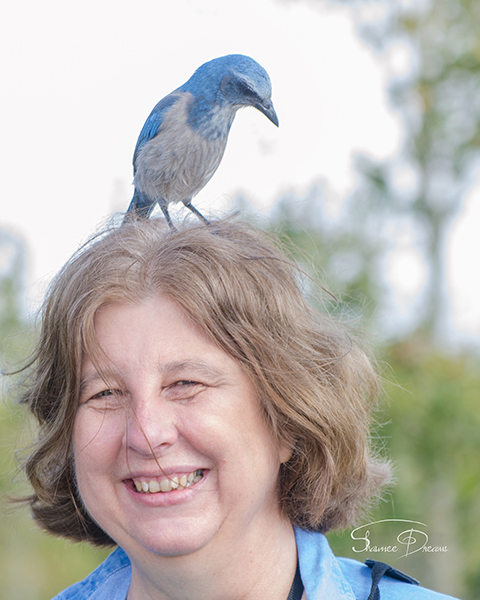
(285, 453)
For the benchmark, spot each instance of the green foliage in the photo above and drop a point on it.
(432, 420)
(33, 565)
(437, 445)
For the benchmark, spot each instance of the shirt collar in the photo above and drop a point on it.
(321, 573)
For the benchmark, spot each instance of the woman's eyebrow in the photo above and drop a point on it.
(192, 366)
(89, 380)
(93, 378)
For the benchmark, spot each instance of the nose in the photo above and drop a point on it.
(150, 427)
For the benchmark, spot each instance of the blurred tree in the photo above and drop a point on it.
(439, 102)
(336, 249)
(12, 271)
(431, 52)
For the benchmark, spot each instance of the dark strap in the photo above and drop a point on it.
(296, 591)
(379, 569)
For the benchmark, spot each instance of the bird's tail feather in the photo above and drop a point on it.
(140, 207)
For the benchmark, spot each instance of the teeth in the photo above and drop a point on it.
(167, 485)
(154, 486)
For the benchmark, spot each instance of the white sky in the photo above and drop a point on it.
(79, 79)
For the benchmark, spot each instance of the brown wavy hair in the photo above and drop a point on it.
(316, 386)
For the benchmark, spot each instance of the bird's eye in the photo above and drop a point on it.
(245, 90)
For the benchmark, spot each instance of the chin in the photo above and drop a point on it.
(164, 545)
(175, 538)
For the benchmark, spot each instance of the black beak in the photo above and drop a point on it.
(267, 109)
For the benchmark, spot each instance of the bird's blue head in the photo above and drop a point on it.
(233, 81)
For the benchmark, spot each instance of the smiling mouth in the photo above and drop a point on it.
(167, 484)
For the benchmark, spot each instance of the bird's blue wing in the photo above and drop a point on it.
(153, 123)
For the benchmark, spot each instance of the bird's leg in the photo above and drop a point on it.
(163, 205)
(189, 205)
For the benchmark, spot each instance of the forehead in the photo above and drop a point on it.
(156, 331)
(156, 315)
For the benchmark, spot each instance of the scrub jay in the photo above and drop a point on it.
(183, 140)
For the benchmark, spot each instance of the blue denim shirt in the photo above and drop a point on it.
(323, 575)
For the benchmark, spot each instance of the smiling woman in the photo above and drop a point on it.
(196, 412)
(182, 451)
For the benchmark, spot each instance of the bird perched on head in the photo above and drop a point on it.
(183, 140)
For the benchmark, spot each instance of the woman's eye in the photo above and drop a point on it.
(185, 386)
(103, 394)
(184, 389)
(104, 400)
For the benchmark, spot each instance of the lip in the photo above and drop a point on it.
(164, 499)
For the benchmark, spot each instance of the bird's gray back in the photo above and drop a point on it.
(179, 160)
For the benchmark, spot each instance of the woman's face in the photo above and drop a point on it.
(181, 422)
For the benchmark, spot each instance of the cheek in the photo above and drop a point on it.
(255, 453)
(95, 459)
(96, 439)
(97, 427)
(85, 451)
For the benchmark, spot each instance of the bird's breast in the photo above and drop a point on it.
(211, 120)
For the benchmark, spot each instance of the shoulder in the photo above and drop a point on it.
(326, 576)
(110, 580)
(359, 576)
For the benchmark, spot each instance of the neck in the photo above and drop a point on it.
(253, 567)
